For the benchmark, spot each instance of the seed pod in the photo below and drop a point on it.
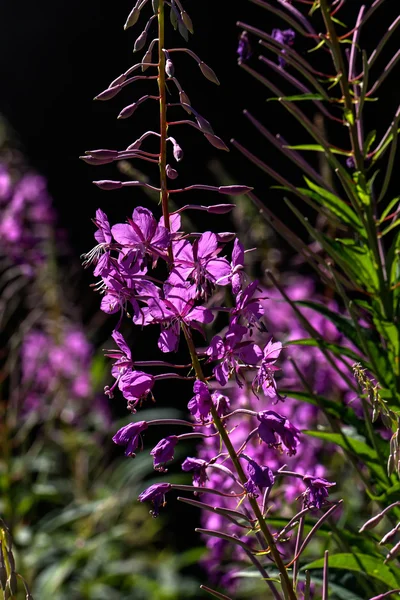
(208, 73)
(140, 42)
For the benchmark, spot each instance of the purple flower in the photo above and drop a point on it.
(177, 307)
(199, 264)
(265, 374)
(142, 233)
(155, 494)
(130, 436)
(230, 350)
(221, 403)
(285, 37)
(163, 452)
(244, 48)
(198, 466)
(201, 403)
(317, 490)
(259, 478)
(275, 430)
(251, 309)
(135, 386)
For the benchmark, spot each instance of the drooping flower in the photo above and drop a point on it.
(201, 403)
(221, 403)
(264, 378)
(135, 386)
(285, 37)
(230, 350)
(163, 452)
(259, 478)
(317, 490)
(198, 466)
(275, 430)
(130, 436)
(249, 308)
(244, 48)
(155, 494)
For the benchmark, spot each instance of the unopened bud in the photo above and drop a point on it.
(220, 209)
(171, 173)
(147, 58)
(169, 68)
(127, 111)
(155, 5)
(108, 93)
(204, 124)
(372, 522)
(103, 154)
(187, 21)
(386, 420)
(390, 465)
(216, 142)
(208, 72)
(177, 150)
(393, 552)
(133, 17)
(184, 99)
(140, 42)
(389, 535)
(106, 184)
(3, 577)
(234, 190)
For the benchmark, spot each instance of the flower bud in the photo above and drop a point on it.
(147, 58)
(208, 72)
(155, 4)
(204, 124)
(187, 21)
(226, 236)
(140, 42)
(3, 578)
(184, 99)
(12, 583)
(216, 142)
(220, 209)
(393, 552)
(386, 538)
(108, 93)
(234, 190)
(177, 150)
(127, 111)
(132, 17)
(106, 184)
(171, 173)
(169, 68)
(372, 522)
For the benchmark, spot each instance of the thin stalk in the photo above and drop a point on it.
(239, 469)
(163, 118)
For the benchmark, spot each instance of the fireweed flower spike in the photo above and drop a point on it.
(195, 266)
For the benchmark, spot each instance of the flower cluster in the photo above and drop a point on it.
(156, 274)
(25, 216)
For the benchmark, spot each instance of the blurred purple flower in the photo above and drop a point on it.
(163, 452)
(201, 403)
(275, 430)
(198, 466)
(155, 494)
(317, 490)
(259, 478)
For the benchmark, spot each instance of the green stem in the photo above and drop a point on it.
(239, 469)
(368, 220)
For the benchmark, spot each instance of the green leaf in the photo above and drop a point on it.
(298, 98)
(389, 207)
(371, 137)
(348, 116)
(363, 452)
(334, 348)
(318, 148)
(335, 204)
(344, 413)
(361, 563)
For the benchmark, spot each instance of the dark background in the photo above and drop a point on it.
(56, 56)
